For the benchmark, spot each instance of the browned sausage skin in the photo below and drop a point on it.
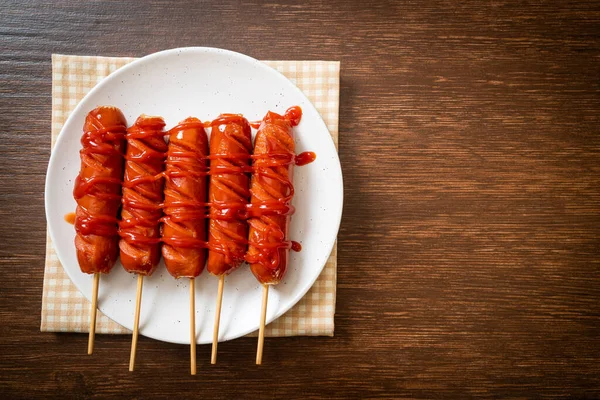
(271, 194)
(184, 227)
(228, 194)
(98, 189)
(142, 196)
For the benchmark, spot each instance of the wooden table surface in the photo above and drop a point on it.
(469, 250)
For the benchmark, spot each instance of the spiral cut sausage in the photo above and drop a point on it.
(271, 194)
(98, 189)
(184, 221)
(228, 194)
(139, 227)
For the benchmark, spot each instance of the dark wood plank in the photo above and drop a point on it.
(469, 261)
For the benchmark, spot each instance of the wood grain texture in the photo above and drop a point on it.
(469, 251)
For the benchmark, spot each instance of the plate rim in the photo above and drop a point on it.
(165, 53)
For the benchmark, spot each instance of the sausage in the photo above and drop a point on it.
(142, 195)
(228, 192)
(98, 189)
(184, 222)
(271, 194)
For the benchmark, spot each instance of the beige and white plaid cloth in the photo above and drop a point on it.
(64, 309)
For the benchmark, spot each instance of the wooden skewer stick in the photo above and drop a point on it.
(213, 357)
(192, 326)
(261, 330)
(136, 322)
(93, 308)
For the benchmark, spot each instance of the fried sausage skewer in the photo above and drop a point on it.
(271, 194)
(184, 221)
(228, 194)
(98, 195)
(143, 186)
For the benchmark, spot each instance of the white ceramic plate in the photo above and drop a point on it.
(202, 82)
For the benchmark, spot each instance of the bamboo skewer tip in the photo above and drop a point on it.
(213, 356)
(93, 309)
(136, 322)
(192, 326)
(261, 329)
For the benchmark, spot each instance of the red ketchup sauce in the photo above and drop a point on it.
(305, 158)
(70, 218)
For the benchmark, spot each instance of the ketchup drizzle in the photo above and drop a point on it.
(70, 218)
(305, 158)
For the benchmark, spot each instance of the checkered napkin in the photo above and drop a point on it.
(64, 309)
